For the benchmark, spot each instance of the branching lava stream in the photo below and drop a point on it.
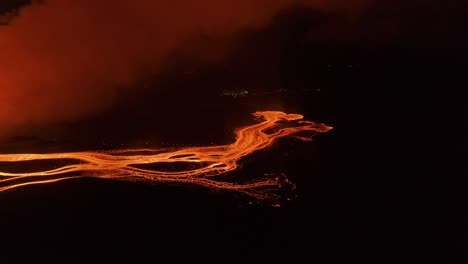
(213, 160)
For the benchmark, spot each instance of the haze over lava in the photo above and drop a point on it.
(65, 59)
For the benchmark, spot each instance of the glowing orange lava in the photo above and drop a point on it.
(209, 162)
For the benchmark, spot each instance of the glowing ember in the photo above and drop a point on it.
(206, 163)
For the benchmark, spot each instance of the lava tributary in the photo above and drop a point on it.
(209, 162)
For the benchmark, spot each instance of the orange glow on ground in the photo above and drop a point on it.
(207, 163)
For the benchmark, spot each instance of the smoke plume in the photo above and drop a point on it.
(64, 59)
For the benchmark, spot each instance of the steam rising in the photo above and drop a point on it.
(64, 59)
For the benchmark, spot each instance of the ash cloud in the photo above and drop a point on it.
(70, 60)
(63, 60)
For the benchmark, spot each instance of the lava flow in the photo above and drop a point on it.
(207, 163)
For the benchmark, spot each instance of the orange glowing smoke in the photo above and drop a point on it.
(214, 160)
(67, 59)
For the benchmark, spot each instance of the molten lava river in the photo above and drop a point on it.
(205, 165)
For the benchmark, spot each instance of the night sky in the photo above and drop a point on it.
(381, 187)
